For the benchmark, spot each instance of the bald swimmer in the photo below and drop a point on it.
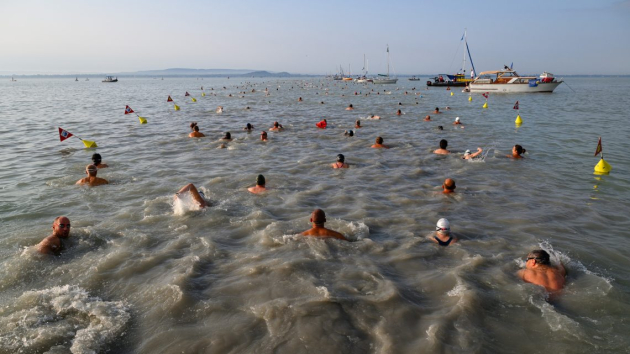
(448, 186)
(52, 244)
(318, 218)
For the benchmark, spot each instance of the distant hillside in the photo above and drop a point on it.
(173, 72)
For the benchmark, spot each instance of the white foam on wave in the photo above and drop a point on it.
(184, 203)
(39, 320)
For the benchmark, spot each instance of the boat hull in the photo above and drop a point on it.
(384, 81)
(446, 83)
(514, 88)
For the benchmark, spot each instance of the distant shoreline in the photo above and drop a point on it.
(249, 75)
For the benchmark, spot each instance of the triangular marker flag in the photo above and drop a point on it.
(128, 110)
(485, 94)
(64, 134)
(597, 151)
(516, 105)
(169, 99)
(187, 94)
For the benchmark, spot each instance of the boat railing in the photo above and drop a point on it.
(483, 81)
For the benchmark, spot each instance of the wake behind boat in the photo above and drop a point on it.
(508, 81)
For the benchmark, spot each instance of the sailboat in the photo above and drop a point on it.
(12, 79)
(458, 79)
(385, 79)
(76, 79)
(363, 78)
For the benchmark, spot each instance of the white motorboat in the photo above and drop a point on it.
(508, 81)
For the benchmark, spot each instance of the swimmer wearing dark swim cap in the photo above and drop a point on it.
(340, 162)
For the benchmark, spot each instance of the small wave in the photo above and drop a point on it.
(39, 320)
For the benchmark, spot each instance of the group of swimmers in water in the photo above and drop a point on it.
(538, 269)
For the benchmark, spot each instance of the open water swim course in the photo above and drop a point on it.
(140, 275)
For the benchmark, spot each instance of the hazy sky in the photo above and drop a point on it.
(314, 37)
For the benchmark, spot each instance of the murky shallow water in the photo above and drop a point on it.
(140, 275)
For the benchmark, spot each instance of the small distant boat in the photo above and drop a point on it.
(76, 79)
(110, 79)
(449, 80)
(508, 81)
(12, 79)
(413, 78)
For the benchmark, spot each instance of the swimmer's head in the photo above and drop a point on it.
(540, 256)
(91, 170)
(96, 158)
(449, 184)
(227, 135)
(276, 124)
(350, 105)
(440, 127)
(519, 149)
(260, 180)
(318, 217)
(457, 119)
(443, 226)
(443, 144)
(350, 133)
(249, 126)
(379, 140)
(437, 109)
(341, 158)
(467, 153)
(359, 122)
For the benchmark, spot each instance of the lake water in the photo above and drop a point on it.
(141, 274)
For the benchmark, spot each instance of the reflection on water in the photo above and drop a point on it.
(145, 273)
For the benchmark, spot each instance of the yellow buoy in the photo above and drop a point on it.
(470, 98)
(518, 120)
(89, 144)
(194, 99)
(485, 105)
(176, 107)
(142, 120)
(203, 94)
(451, 93)
(602, 167)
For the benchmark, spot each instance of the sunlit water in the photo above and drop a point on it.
(142, 274)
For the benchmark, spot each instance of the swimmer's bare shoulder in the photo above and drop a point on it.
(321, 232)
(49, 245)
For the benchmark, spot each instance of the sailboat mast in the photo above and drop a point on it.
(388, 60)
(464, 62)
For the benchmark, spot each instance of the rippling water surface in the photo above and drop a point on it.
(141, 275)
